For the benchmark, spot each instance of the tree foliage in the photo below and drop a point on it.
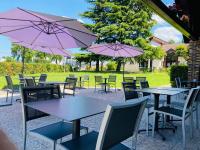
(182, 51)
(150, 52)
(124, 21)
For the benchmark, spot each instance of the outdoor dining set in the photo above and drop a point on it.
(41, 98)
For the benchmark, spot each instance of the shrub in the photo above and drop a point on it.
(14, 68)
(111, 66)
(178, 71)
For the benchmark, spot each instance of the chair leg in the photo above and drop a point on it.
(147, 122)
(25, 140)
(7, 97)
(153, 127)
(183, 132)
(191, 123)
(11, 97)
(134, 142)
(54, 145)
(197, 116)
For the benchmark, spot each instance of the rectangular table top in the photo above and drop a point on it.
(163, 90)
(72, 108)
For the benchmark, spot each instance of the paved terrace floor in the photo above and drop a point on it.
(11, 123)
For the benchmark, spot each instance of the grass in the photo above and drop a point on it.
(155, 78)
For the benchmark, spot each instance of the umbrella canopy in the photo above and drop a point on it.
(115, 50)
(46, 30)
(54, 51)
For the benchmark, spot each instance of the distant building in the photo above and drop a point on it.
(158, 64)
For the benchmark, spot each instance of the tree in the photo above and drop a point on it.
(124, 21)
(56, 58)
(23, 53)
(150, 52)
(182, 51)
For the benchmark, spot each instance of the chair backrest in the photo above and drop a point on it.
(144, 84)
(140, 79)
(112, 78)
(43, 78)
(192, 96)
(34, 94)
(29, 82)
(119, 123)
(98, 79)
(21, 76)
(71, 83)
(129, 90)
(9, 82)
(128, 79)
(178, 82)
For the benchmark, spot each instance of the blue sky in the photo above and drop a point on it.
(73, 9)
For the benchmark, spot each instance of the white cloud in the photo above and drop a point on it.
(168, 33)
(158, 19)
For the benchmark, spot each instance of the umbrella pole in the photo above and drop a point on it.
(123, 69)
(23, 55)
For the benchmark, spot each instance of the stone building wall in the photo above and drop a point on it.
(194, 61)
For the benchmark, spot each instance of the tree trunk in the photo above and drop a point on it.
(151, 65)
(119, 64)
(97, 64)
(90, 64)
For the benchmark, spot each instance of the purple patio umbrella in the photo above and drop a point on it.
(49, 50)
(116, 50)
(46, 30)
(54, 51)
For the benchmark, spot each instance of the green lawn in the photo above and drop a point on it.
(155, 79)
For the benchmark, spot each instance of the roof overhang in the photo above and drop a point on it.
(162, 10)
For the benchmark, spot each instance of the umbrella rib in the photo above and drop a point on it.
(102, 50)
(16, 29)
(62, 50)
(65, 20)
(64, 27)
(18, 19)
(51, 51)
(59, 41)
(14, 26)
(36, 37)
(96, 46)
(118, 51)
(31, 13)
(74, 37)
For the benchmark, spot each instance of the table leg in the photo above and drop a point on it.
(80, 82)
(156, 105)
(76, 129)
(105, 84)
(168, 102)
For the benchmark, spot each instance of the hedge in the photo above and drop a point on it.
(178, 71)
(14, 68)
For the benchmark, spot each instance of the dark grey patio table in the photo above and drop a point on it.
(162, 91)
(71, 109)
